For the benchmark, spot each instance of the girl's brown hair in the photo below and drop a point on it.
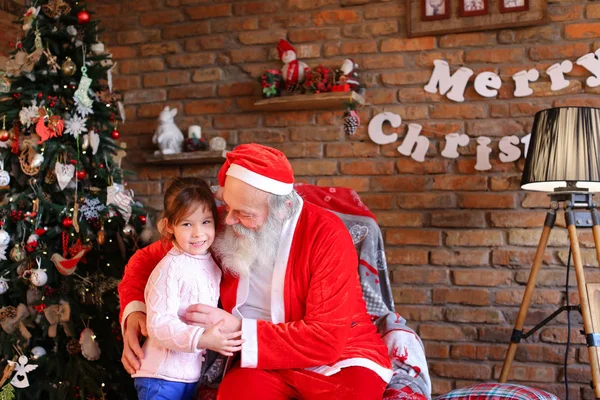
(181, 199)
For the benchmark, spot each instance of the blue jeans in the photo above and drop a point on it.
(160, 389)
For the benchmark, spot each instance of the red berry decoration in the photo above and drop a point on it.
(142, 219)
(73, 162)
(67, 222)
(81, 174)
(83, 17)
(115, 134)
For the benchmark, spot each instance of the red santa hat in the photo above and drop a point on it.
(284, 46)
(262, 167)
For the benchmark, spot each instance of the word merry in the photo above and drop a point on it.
(416, 146)
(487, 83)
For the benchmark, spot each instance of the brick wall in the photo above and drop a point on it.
(459, 242)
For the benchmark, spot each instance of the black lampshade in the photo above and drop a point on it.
(564, 147)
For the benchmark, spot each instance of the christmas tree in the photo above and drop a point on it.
(68, 222)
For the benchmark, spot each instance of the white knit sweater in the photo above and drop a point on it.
(178, 281)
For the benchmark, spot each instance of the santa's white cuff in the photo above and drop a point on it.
(132, 307)
(250, 346)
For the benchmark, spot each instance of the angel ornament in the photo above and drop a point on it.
(21, 369)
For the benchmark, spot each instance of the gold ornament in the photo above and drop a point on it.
(56, 8)
(17, 254)
(68, 67)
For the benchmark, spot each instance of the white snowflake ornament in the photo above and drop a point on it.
(29, 115)
(91, 208)
(75, 125)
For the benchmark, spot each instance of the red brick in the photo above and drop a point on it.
(436, 350)
(566, 12)
(461, 370)
(475, 297)
(335, 17)
(420, 275)
(474, 315)
(190, 92)
(477, 238)
(399, 183)
(234, 24)
(262, 136)
(314, 167)
(121, 52)
(405, 78)
(472, 39)
(236, 121)
(301, 5)
(381, 61)
(352, 149)
(366, 46)
(407, 295)
(383, 10)
(489, 278)
(372, 29)
(592, 11)
(166, 78)
(247, 55)
(458, 219)
(265, 7)
(420, 313)
(138, 36)
(145, 188)
(186, 30)
(286, 21)
(139, 65)
(494, 128)
(460, 257)
(517, 257)
(153, 110)
(486, 200)
(405, 44)
(417, 95)
(207, 107)
(358, 184)
(300, 150)
(367, 167)
(453, 57)
(425, 200)
(406, 256)
(447, 333)
(458, 182)
(206, 75)
(413, 237)
(206, 42)
(126, 82)
(261, 37)
(514, 297)
(287, 118)
(209, 12)
(190, 60)
(509, 219)
(458, 111)
(161, 17)
(579, 31)
(377, 201)
(498, 56)
(238, 89)
(500, 183)
(323, 133)
(558, 51)
(530, 35)
(145, 96)
(429, 166)
(313, 35)
(397, 218)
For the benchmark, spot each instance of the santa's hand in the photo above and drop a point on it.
(207, 316)
(135, 326)
(218, 340)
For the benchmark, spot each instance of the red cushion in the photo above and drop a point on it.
(497, 391)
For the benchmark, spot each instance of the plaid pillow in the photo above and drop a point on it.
(498, 391)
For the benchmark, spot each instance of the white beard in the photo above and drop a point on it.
(251, 251)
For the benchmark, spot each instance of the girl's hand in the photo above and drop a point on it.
(221, 342)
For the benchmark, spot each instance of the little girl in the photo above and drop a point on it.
(187, 275)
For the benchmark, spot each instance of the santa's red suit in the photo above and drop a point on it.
(319, 322)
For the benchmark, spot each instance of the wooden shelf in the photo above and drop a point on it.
(317, 101)
(194, 157)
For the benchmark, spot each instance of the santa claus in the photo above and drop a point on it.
(290, 284)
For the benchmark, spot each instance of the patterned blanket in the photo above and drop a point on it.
(411, 377)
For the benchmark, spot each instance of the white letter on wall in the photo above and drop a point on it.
(522, 79)
(509, 149)
(557, 74)
(525, 140)
(483, 154)
(485, 81)
(453, 140)
(412, 138)
(376, 124)
(441, 77)
(591, 62)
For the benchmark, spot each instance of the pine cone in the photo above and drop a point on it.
(50, 177)
(8, 312)
(73, 347)
(350, 125)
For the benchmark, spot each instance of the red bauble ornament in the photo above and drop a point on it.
(83, 17)
(4, 135)
(81, 174)
(67, 222)
(74, 162)
(142, 219)
(115, 134)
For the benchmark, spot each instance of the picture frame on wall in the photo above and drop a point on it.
(471, 8)
(432, 10)
(513, 5)
(459, 16)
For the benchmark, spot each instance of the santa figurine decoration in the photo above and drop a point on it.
(347, 77)
(293, 71)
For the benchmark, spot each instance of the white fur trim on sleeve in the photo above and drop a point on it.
(250, 346)
(132, 307)
(259, 181)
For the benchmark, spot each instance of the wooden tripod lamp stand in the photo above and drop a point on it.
(564, 160)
